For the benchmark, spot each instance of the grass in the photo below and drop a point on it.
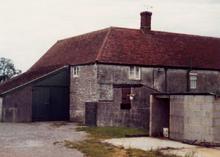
(191, 154)
(94, 147)
(111, 132)
(141, 153)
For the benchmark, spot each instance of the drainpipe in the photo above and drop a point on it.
(188, 82)
(165, 70)
(153, 77)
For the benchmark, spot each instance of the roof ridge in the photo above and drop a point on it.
(184, 34)
(82, 35)
(172, 33)
(125, 28)
(103, 44)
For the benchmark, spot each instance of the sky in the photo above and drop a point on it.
(28, 28)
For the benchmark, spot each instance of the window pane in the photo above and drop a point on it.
(193, 80)
(193, 83)
(75, 71)
(193, 77)
(132, 71)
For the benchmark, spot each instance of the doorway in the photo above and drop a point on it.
(159, 115)
(50, 104)
(50, 97)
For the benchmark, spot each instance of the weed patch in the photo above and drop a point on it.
(94, 147)
(111, 132)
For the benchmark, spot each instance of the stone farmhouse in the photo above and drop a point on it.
(124, 77)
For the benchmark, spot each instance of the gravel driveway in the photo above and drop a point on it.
(38, 139)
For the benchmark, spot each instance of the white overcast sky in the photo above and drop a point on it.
(29, 27)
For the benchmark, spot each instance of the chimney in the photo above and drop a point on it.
(146, 21)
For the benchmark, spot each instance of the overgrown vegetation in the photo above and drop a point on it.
(94, 147)
(191, 154)
(111, 132)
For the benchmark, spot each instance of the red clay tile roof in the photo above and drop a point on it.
(131, 47)
(82, 49)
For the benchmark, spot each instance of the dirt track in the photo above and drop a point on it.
(38, 139)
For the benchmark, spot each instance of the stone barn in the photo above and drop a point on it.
(138, 78)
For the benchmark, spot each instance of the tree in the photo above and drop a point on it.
(7, 69)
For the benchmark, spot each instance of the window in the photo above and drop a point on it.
(193, 80)
(126, 102)
(76, 71)
(135, 73)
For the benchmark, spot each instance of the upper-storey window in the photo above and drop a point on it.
(193, 80)
(134, 73)
(76, 71)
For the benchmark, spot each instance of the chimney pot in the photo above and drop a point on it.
(146, 20)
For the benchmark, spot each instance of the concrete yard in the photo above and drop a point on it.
(167, 146)
(38, 139)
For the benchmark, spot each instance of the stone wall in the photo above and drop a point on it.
(208, 81)
(110, 114)
(154, 80)
(82, 89)
(115, 74)
(176, 80)
(161, 79)
(96, 83)
(17, 105)
(109, 111)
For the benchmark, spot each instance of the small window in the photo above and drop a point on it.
(126, 102)
(76, 71)
(135, 73)
(193, 80)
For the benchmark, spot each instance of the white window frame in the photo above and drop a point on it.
(75, 71)
(193, 80)
(134, 73)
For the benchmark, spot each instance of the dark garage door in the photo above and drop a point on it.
(50, 97)
(50, 104)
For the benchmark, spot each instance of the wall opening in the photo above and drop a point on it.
(91, 113)
(159, 116)
(125, 102)
(50, 97)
